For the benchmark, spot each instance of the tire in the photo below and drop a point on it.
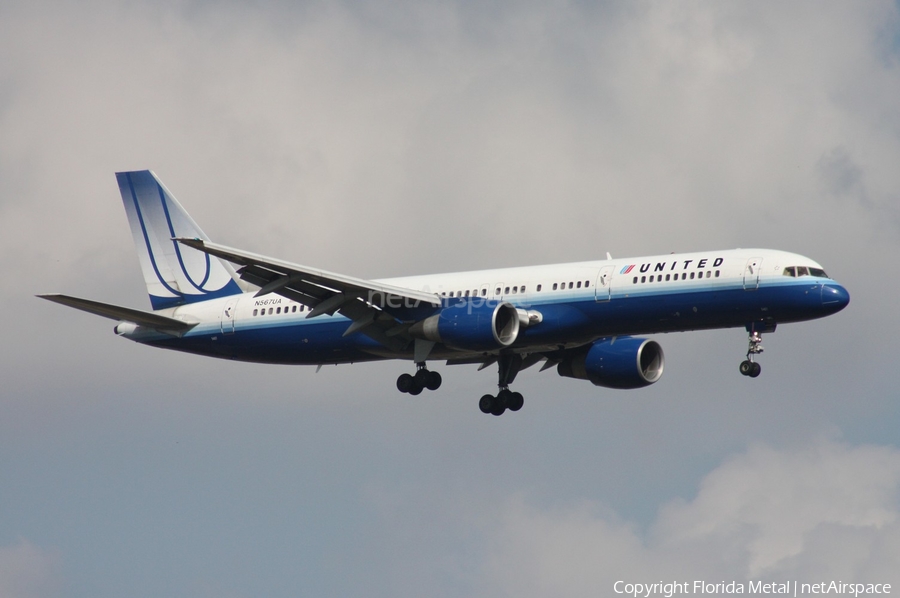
(405, 383)
(486, 404)
(746, 367)
(755, 370)
(515, 401)
(416, 388)
(433, 382)
(501, 402)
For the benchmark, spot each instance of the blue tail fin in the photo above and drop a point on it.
(175, 274)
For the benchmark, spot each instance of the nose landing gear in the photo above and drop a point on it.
(749, 367)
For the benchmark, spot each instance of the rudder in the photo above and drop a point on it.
(175, 274)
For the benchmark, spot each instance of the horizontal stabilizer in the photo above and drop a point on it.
(115, 312)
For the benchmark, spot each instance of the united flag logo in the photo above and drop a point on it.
(626, 269)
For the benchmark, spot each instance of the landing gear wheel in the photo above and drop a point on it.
(502, 402)
(486, 404)
(746, 367)
(421, 378)
(755, 370)
(433, 381)
(515, 401)
(405, 383)
(416, 388)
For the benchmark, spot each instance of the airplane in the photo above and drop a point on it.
(582, 318)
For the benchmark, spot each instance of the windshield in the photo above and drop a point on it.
(795, 271)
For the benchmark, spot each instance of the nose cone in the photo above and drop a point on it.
(834, 297)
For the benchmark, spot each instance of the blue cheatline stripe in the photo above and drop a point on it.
(177, 245)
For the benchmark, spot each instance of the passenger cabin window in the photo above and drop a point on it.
(555, 286)
(539, 288)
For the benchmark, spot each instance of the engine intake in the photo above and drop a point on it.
(620, 362)
(471, 327)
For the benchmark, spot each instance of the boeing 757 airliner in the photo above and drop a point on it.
(581, 317)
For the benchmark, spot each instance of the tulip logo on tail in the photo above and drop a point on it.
(174, 274)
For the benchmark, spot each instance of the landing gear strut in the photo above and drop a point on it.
(509, 366)
(423, 378)
(748, 366)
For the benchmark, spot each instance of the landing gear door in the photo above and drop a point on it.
(603, 288)
(751, 273)
(228, 316)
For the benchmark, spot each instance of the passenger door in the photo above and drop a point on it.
(751, 273)
(228, 316)
(603, 288)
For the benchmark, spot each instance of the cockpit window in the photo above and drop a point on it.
(804, 271)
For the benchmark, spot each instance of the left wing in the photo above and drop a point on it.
(373, 307)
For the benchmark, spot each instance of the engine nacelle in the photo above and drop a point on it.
(620, 362)
(472, 327)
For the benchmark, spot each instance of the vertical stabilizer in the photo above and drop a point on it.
(175, 274)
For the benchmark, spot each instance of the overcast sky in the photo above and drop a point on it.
(383, 139)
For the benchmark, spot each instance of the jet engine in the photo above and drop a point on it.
(619, 362)
(472, 327)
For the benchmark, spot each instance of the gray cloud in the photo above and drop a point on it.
(821, 511)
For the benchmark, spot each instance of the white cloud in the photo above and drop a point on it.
(826, 509)
(26, 571)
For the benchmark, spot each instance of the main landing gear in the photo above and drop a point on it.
(505, 399)
(423, 378)
(748, 366)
